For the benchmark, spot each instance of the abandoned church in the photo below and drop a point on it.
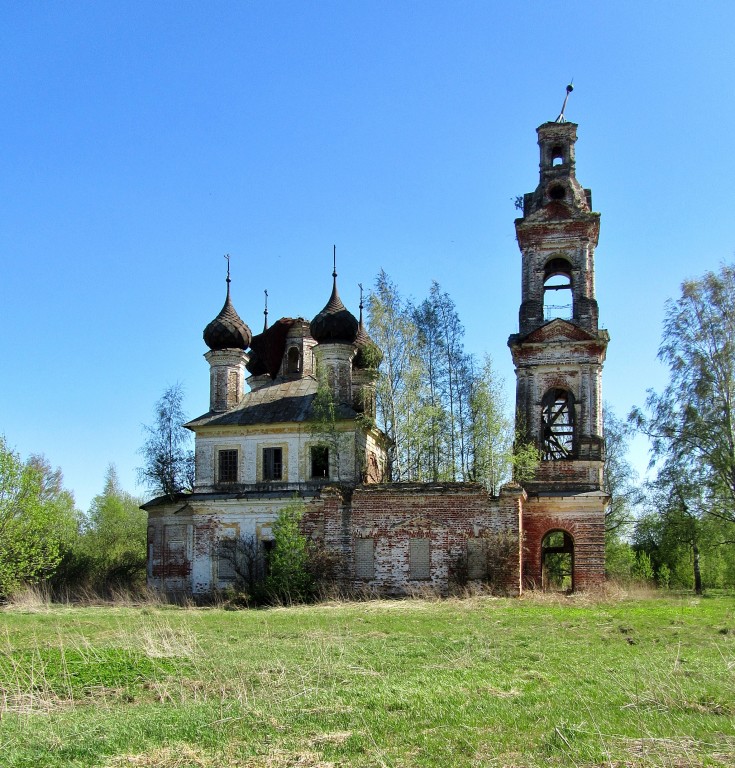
(258, 450)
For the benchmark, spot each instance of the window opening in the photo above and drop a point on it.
(557, 192)
(557, 155)
(557, 562)
(477, 551)
(364, 559)
(294, 360)
(272, 463)
(227, 470)
(319, 461)
(558, 301)
(419, 559)
(227, 560)
(557, 418)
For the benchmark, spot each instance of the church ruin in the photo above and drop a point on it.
(257, 450)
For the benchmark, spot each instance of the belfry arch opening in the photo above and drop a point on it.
(557, 562)
(557, 425)
(294, 360)
(558, 301)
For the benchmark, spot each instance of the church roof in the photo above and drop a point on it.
(278, 403)
(267, 348)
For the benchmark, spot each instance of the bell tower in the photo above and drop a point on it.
(558, 355)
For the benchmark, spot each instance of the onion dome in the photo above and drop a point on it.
(335, 323)
(227, 330)
(368, 353)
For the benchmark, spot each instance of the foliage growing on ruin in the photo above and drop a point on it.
(323, 423)
(443, 412)
(168, 459)
(289, 579)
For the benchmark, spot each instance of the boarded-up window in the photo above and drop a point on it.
(419, 560)
(364, 559)
(226, 560)
(476, 558)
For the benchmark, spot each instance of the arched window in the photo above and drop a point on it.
(557, 424)
(294, 359)
(557, 155)
(558, 290)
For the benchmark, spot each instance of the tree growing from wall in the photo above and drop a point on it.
(392, 328)
(442, 412)
(168, 459)
(323, 424)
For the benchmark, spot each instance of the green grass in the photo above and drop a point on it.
(476, 682)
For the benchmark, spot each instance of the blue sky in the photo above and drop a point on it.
(141, 141)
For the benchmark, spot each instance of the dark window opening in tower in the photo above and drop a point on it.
(558, 290)
(557, 156)
(557, 424)
(294, 360)
(557, 192)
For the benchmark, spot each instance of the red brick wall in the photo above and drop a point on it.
(445, 514)
(583, 519)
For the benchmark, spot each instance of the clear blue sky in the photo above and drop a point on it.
(140, 141)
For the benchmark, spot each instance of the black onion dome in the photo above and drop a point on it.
(368, 353)
(227, 330)
(335, 323)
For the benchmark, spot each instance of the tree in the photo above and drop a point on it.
(323, 424)
(392, 328)
(114, 539)
(289, 579)
(37, 518)
(443, 414)
(691, 424)
(168, 458)
(491, 434)
(619, 477)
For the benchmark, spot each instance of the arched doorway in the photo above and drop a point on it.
(557, 562)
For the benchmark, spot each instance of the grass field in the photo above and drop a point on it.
(476, 682)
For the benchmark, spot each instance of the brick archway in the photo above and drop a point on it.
(557, 561)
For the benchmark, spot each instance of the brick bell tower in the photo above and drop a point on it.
(558, 355)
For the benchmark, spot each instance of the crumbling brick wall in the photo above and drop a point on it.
(583, 518)
(441, 516)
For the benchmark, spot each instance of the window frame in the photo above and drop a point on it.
(324, 449)
(232, 464)
(270, 464)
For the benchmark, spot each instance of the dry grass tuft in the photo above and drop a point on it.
(332, 738)
(180, 756)
(282, 759)
(32, 598)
